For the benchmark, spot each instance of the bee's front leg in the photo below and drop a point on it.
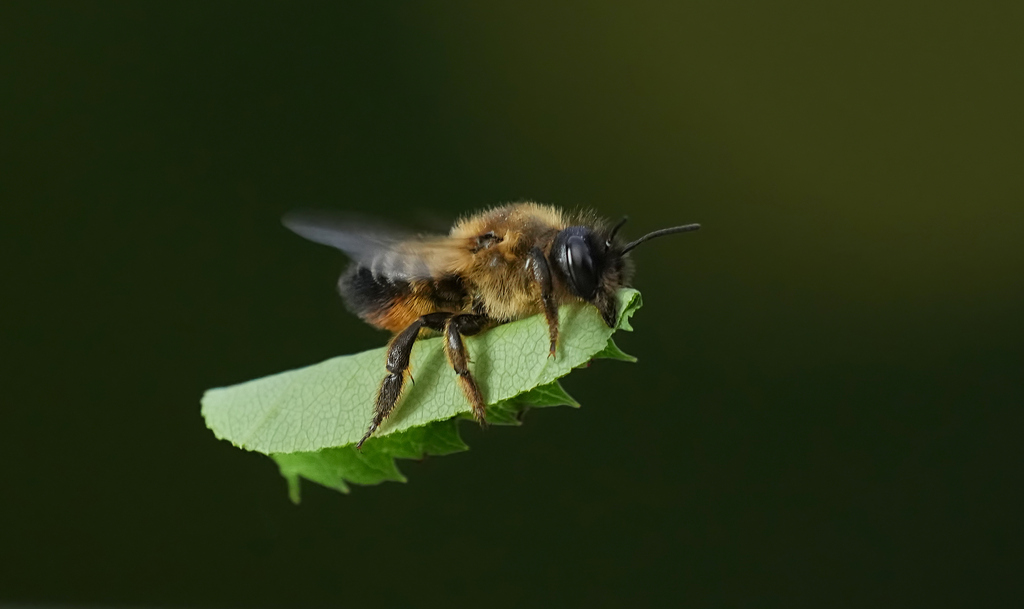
(542, 278)
(397, 364)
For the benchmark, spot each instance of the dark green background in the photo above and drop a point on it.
(828, 403)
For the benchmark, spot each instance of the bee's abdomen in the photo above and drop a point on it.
(365, 293)
(393, 304)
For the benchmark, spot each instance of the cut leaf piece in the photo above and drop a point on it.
(328, 404)
(308, 419)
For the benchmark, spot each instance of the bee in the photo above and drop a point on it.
(493, 267)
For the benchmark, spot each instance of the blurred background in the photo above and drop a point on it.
(827, 406)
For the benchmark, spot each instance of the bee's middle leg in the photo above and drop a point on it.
(457, 327)
(397, 364)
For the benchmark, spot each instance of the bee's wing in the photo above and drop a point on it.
(386, 251)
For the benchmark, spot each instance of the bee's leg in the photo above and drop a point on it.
(542, 277)
(397, 365)
(455, 348)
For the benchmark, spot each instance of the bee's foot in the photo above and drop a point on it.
(480, 417)
(366, 436)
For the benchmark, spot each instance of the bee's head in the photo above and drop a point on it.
(592, 264)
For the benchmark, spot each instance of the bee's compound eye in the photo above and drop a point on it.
(581, 266)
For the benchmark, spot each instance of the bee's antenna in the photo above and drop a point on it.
(660, 233)
(615, 230)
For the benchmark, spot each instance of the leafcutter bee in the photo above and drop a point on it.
(493, 267)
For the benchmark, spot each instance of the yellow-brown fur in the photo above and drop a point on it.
(497, 273)
(494, 274)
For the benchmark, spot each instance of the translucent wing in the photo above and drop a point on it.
(386, 251)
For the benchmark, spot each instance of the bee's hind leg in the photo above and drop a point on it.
(457, 327)
(397, 364)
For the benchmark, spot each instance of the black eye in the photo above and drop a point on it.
(581, 266)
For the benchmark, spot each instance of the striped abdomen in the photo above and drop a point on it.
(393, 304)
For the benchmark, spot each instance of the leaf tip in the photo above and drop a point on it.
(294, 492)
(629, 301)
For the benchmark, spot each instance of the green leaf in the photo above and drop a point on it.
(309, 419)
